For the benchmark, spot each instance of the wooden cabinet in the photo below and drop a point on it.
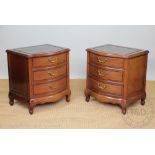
(116, 74)
(38, 74)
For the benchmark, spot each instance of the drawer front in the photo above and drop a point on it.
(50, 60)
(49, 88)
(49, 74)
(106, 74)
(102, 87)
(106, 61)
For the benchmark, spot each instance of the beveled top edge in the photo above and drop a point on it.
(39, 50)
(126, 52)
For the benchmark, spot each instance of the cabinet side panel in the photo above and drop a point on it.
(68, 71)
(30, 81)
(18, 76)
(87, 69)
(136, 75)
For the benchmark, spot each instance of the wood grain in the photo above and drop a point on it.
(36, 77)
(118, 71)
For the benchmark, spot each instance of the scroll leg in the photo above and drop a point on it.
(142, 101)
(87, 98)
(87, 95)
(124, 106)
(68, 96)
(11, 101)
(31, 110)
(124, 111)
(31, 106)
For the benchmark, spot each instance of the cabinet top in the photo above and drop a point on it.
(39, 50)
(117, 51)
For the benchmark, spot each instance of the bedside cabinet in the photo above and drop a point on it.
(116, 75)
(38, 74)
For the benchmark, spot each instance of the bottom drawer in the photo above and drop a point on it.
(49, 88)
(101, 87)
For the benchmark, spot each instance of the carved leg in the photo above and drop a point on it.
(31, 106)
(87, 98)
(124, 111)
(68, 96)
(142, 101)
(124, 106)
(30, 110)
(11, 100)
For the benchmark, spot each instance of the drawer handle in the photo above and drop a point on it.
(51, 74)
(101, 61)
(102, 86)
(52, 87)
(51, 60)
(100, 73)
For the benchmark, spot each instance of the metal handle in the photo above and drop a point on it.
(100, 73)
(52, 87)
(102, 61)
(51, 74)
(52, 60)
(101, 86)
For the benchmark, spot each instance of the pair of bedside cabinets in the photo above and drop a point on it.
(40, 74)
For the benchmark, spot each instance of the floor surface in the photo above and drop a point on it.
(77, 113)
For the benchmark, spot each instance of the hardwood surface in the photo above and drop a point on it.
(78, 113)
(118, 73)
(37, 77)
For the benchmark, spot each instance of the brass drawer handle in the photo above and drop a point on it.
(101, 61)
(51, 74)
(100, 73)
(52, 60)
(102, 86)
(52, 87)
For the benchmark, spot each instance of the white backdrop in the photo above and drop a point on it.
(77, 38)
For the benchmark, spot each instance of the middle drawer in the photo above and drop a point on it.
(49, 74)
(106, 74)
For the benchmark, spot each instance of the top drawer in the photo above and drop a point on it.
(106, 61)
(49, 60)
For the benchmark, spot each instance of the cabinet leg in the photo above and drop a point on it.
(124, 111)
(31, 106)
(31, 111)
(142, 101)
(11, 101)
(67, 98)
(87, 98)
(124, 106)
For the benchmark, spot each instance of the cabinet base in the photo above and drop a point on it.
(123, 103)
(40, 100)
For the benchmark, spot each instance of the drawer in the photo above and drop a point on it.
(49, 60)
(49, 74)
(106, 74)
(101, 87)
(50, 88)
(106, 61)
